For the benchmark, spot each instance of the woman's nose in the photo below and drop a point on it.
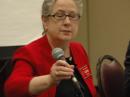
(67, 20)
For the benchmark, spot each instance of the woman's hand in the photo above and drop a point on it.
(61, 70)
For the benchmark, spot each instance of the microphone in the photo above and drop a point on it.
(58, 54)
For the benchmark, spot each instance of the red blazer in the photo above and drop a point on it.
(36, 59)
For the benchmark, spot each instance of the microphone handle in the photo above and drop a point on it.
(77, 85)
(74, 79)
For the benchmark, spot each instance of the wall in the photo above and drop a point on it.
(109, 29)
(20, 21)
(83, 29)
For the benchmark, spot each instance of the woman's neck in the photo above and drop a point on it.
(60, 44)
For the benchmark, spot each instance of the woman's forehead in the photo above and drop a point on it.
(65, 5)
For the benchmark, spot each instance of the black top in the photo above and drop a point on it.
(67, 88)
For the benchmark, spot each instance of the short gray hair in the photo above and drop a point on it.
(48, 5)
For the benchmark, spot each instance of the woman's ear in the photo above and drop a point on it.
(44, 23)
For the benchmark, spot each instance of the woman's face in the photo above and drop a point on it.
(63, 22)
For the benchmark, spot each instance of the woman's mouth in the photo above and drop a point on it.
(67, 31)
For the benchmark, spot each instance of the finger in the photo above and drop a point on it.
(63, 77)
(65, 69)
(62, 73)
(63, 63)
(72, 66)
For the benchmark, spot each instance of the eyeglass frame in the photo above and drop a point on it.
(64, 15)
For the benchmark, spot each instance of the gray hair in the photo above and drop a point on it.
(48, 5)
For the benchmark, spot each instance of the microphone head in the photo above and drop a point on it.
(57, 53)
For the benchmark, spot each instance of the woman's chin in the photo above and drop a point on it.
(65, 38)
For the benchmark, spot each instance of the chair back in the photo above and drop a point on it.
(6, 53)
(110, 77)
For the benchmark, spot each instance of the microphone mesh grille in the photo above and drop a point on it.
(57, 53)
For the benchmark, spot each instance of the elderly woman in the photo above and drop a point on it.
(37, 73)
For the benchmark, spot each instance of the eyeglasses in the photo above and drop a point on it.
(62, 16)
